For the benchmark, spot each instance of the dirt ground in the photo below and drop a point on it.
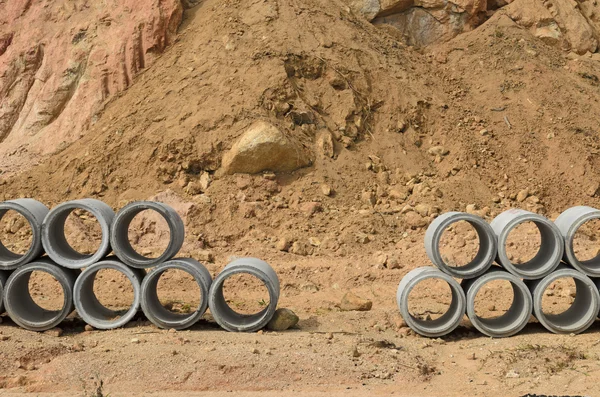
(330, 352)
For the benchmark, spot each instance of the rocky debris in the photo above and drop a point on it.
(593, 189)
(284, 244)
(300, 248)
(522, 195)
(414, 220)
(325, 144)
(368, 197)
(282, 320)
(352, 302)
(56, 332)
(264, 147)
(205, 256)
(438, 151)
(310, 208)
(380, 259)
(326, 189)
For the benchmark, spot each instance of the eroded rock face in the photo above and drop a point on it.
(569, 23)
(60, 60)
(423, 22)
(263, 147)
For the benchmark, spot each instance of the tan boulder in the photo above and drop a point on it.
(263, 147)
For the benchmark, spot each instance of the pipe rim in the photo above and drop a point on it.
(165, 318)
(8, 259)
(228, 318)
(91, 310)
(120, 228)
(540, 265)
(55, 242)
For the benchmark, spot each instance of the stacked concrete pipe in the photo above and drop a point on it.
(76, 273)
(528, 281)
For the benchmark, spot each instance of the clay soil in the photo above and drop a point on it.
(511, 113)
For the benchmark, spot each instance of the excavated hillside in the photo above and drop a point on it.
(392, 135)
(322, 136)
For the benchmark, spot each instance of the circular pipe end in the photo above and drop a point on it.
(229, 319)
(153, 308)
(487, 245)
(89, 307)
(440, 326)
(120, 234)
(514, 319)
(21, 307)
(55, 242)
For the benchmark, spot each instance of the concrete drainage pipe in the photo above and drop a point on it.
(487, 245)
(3, 278)
(440, 326)
(34, 212)
(89, 307)
(229, 319)
(55, 242)
(120, 239)
(160, 315)
(583, 311)
(21, 307)
(551, 248)
(515, 318)
(569, 223)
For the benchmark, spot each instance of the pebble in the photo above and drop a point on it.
(522, 195)
(352, 302)
(56, 332)
(326, 190)
(88, 328)
(135, 341)
(282, 320)
(355, 352)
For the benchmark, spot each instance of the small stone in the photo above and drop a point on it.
(355, 352)
(438, 151)
(522, 195)
(204, 181)
(352, 302)
(282, 320)
(460, 242)
(310, 208)
(593, 190)
(326, 190)
(423, 209)
(397, 195)
(284, 244)
(496, 199)
(172, 331)
(135, 341)
(484, 132)
(512, 374)
(88, 328)
(401, 126)
(299, 248)
(56, 332)
(4, 338)
(414, 220)
(315, 242)
(254, 351)
(380, 258)
(368, 197)
(205, 256)
(471, 209)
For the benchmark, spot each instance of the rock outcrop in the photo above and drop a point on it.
(61, 60)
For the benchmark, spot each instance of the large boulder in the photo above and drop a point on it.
(264, 147)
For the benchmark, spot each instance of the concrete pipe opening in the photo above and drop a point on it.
(551, 245)
(442, 325)
(486, 251)
(516, 304)
(230, 319)
(579, 228)
(22, 300)
(55, 241)
(26, 217)
(120, 239)
(89, 304)
(569, 317)
(191, 292)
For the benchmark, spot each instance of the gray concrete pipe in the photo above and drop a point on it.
(515, 318)
(549, 254)
(582, 313)
(487, 245)
(19, 304)
(569, 223)
(3, 278)
(34, 212)
(440, 326)
(229, 319)
(55, 242)
(161, 316)
(89, 307)
(120, 240)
